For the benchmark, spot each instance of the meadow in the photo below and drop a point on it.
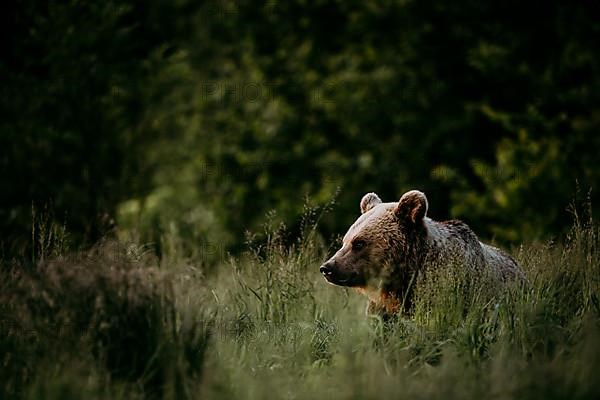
(141, 140)
(117, 322)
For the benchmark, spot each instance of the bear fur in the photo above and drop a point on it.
(391, 244)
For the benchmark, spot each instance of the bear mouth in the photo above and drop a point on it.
(352, 280)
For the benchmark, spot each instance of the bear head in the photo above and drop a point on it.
(382, 245)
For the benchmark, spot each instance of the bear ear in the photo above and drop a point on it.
(412, 207)
(369, 201)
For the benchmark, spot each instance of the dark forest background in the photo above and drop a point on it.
(193, 120)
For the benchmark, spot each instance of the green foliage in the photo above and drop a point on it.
(464, 101)
(192, 120)
(73, 92)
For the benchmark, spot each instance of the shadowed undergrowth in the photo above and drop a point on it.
(115, 323)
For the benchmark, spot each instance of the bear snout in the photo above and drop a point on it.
(327, 268)
(334, 273)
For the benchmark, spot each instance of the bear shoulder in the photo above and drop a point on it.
(453, 241)
(447, 233)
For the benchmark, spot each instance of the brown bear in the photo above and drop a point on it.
(391, 244)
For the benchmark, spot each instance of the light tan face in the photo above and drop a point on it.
(375, 241)
(363, 253)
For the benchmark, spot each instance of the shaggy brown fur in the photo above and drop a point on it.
(390, 244)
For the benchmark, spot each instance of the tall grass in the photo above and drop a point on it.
(115, 323)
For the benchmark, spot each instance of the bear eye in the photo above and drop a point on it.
(358, 244)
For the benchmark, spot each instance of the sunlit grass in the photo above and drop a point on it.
(117, 323)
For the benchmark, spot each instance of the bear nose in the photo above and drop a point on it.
(327, 268)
